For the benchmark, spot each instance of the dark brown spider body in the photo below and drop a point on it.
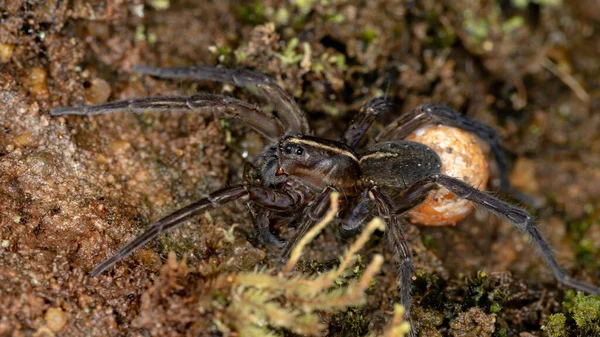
(398, 164)
(321, 163)
(291, 180)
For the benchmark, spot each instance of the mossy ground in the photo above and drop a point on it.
(74, 189)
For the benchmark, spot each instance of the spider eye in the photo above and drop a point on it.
(299, 151)
(287, 149)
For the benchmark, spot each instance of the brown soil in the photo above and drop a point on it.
(74, 189)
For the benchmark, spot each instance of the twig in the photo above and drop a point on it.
(567, 79)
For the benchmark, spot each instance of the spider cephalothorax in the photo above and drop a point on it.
(290, 181)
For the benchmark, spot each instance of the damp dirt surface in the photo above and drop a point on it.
(74, 189)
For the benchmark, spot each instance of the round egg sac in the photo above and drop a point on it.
(462, 158)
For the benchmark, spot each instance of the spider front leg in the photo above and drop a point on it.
(289, 112)
(267, 197)
(223, 106)
(403, 126)
(261, 216)
(363, 120)
(521, 220)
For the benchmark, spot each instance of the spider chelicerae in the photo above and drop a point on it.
(292, 178)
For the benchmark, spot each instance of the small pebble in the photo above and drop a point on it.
(522, 176)
(35, 82)
(55, 319)
(6, 52)
(119, 146)
(23, 139)
(98, 91)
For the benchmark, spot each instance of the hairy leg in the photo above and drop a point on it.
(261, 216)
(314, 212)
(396, 241)
(289, 112)
(266, 197)
(222, 106)
(521, 220)
(357, 214)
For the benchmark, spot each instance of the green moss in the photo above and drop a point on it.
(556, 326)
(478, 28)
(524, 3)
(334, 16)
(160, 4)
(512, 24)
(577, 229)
(585, 311)
(584, 248)
(429, 286)
(253, 14)
(350, 323)
(339, 60)
(282, 16)
(476, 289)
(368, 35)
(428, 241)
(140, 33)
(224, 54)
(585, 252)
(444, 37)
(481, 294)
(305, 6)
(289, 55)
(502, 332)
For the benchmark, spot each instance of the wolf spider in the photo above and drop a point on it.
(293, 176)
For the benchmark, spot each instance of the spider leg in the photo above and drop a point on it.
(267, 197)
(403, 202)
(357, 215)
(289, 112)
(315, 210)
(261, 216)
(424, 114)
(363, 119)
(263, 225)
(223, 106)
(391, 210)
(521, 220)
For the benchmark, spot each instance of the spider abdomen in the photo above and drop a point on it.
(398, 164)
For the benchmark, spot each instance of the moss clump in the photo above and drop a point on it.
(582, 317)
(585, 311)
(556, 326)
(481, 293)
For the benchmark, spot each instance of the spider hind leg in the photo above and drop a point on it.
(521, 220)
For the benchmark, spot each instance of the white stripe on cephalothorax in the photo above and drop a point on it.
(323, 146)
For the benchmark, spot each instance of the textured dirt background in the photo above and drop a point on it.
(74, 189)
